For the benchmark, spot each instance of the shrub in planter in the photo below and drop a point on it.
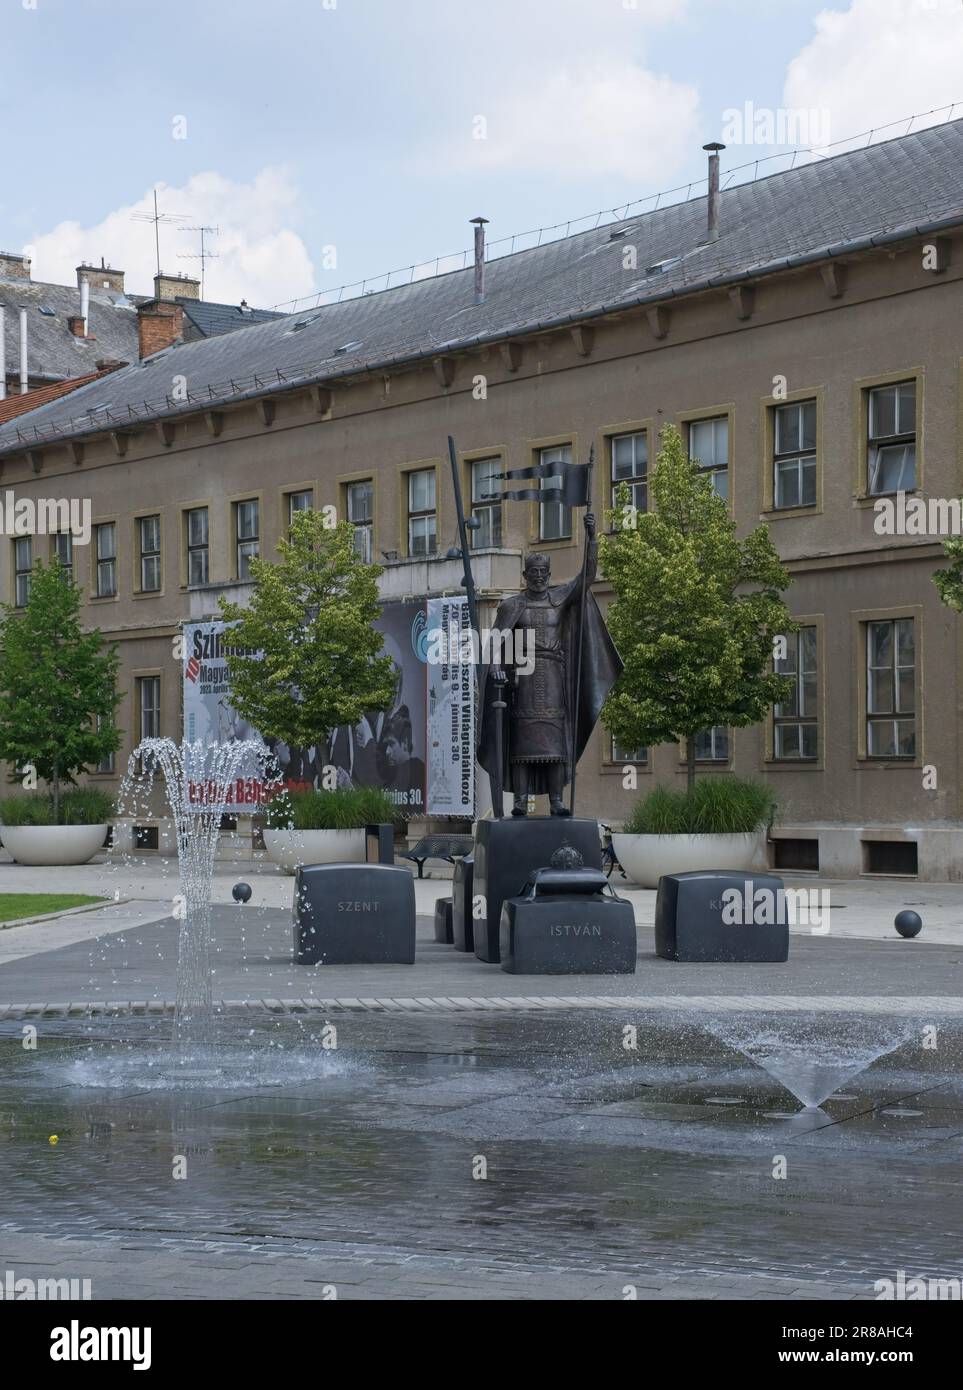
(323, 827)
(347, 808)
(78, 806)
(34, 833)
(714, 806)
(716, 824)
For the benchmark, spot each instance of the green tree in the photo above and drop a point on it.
(58, 685)
(305, 655)
(949, 582)
(696, 612)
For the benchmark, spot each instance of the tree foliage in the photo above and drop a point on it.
(949, 582)
(695, 613)
(305, 656)
(58, 685)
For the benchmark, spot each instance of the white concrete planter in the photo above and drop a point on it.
(289, 848)
(53, 844)
(645, 858)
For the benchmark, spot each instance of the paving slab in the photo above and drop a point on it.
(134, 966)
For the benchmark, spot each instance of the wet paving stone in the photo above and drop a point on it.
(601, 1164)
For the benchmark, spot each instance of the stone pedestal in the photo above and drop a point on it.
(721, 917)
(354, 914)
(443, 923)
(507, 853)
(462, 924)
(568, 934)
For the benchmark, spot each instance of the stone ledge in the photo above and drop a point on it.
(944, 1005)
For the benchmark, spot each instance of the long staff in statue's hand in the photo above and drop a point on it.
(499, 706)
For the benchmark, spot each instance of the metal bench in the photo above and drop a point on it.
(447, 847)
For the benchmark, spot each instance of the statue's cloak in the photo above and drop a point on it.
(601, 668)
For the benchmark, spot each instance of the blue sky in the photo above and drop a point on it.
(336, 139)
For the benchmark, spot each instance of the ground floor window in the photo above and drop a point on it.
(891, 688)
(795, 729)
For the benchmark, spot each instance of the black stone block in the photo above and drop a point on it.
(462, 924)
(568, 934)
(443, 923)
(693, 920)
(507, 853)
(354, 914)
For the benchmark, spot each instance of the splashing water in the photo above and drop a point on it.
(199, 782)
(812, 1056)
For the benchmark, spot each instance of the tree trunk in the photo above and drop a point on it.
(690, 762)
(55, 786)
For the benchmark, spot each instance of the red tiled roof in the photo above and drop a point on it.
(18, 405)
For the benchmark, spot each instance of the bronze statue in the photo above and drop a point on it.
(554, 708)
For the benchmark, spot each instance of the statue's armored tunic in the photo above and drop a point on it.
(541, 729)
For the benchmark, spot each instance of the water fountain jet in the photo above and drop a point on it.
(200, 782)
(812, 1056)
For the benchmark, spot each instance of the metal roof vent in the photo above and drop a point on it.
(298, 325)
(661, 267)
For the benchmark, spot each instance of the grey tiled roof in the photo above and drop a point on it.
(881, 193)
(53, 353)
(205, 319)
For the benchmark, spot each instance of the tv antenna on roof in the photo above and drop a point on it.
(203, 255)
(157, 219)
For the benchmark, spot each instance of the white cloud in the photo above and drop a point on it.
(260, 257)
(613, 119)
(879, 61)
(606, 114)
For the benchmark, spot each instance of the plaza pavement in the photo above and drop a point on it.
(120, 958)
(124, 953)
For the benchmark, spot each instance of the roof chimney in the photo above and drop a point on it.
(3, 353)
(480, 223)
(171, 287)
(102, 277)
(24, 370)
(160, 323)
(14, 266)
(713, 148)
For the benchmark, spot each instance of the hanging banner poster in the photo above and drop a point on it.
(420, 749)
(451, 709)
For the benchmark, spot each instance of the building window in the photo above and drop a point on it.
(247, 532)
(794, 455)
(299, 502)
(891, 446)
(197, 546)
(794, 721)
(891, 689)
(359, 500)
(712, 745)
(621, 754)
(105, 540)
(422, 519)
(62, 550)
(148, 706)
(554, 518)
(149, 528)
(486, 485)
(23, 569)
(630, 467)
(709, 448)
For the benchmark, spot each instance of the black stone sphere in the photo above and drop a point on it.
(908, 923)
(241, 892)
